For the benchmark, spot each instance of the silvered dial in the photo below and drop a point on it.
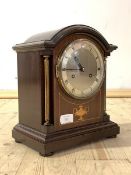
(81, 68)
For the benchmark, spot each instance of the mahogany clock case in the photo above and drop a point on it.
(42, 103)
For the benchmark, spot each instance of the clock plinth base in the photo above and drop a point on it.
(46, 145)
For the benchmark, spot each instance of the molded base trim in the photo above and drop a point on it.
(60, 140)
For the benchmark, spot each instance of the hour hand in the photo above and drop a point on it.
(78, 63)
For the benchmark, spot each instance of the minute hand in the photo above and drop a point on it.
(78, 63)
(70, 69)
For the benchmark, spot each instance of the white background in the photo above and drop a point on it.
(19, 19)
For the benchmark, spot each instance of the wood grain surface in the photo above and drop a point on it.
(109, 156)
(110, 93)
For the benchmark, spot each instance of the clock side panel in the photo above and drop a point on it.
(76, 112)
(29, 89)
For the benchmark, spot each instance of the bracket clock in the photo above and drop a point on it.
(62, 89)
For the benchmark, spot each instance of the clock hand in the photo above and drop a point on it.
(78, 63)
(69, 69)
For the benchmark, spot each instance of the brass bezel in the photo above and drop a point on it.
(58, 76)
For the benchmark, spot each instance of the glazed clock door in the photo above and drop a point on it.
(80, 69)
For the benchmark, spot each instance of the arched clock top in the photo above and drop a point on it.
(49, 40)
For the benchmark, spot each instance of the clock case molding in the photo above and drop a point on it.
(39, 109)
